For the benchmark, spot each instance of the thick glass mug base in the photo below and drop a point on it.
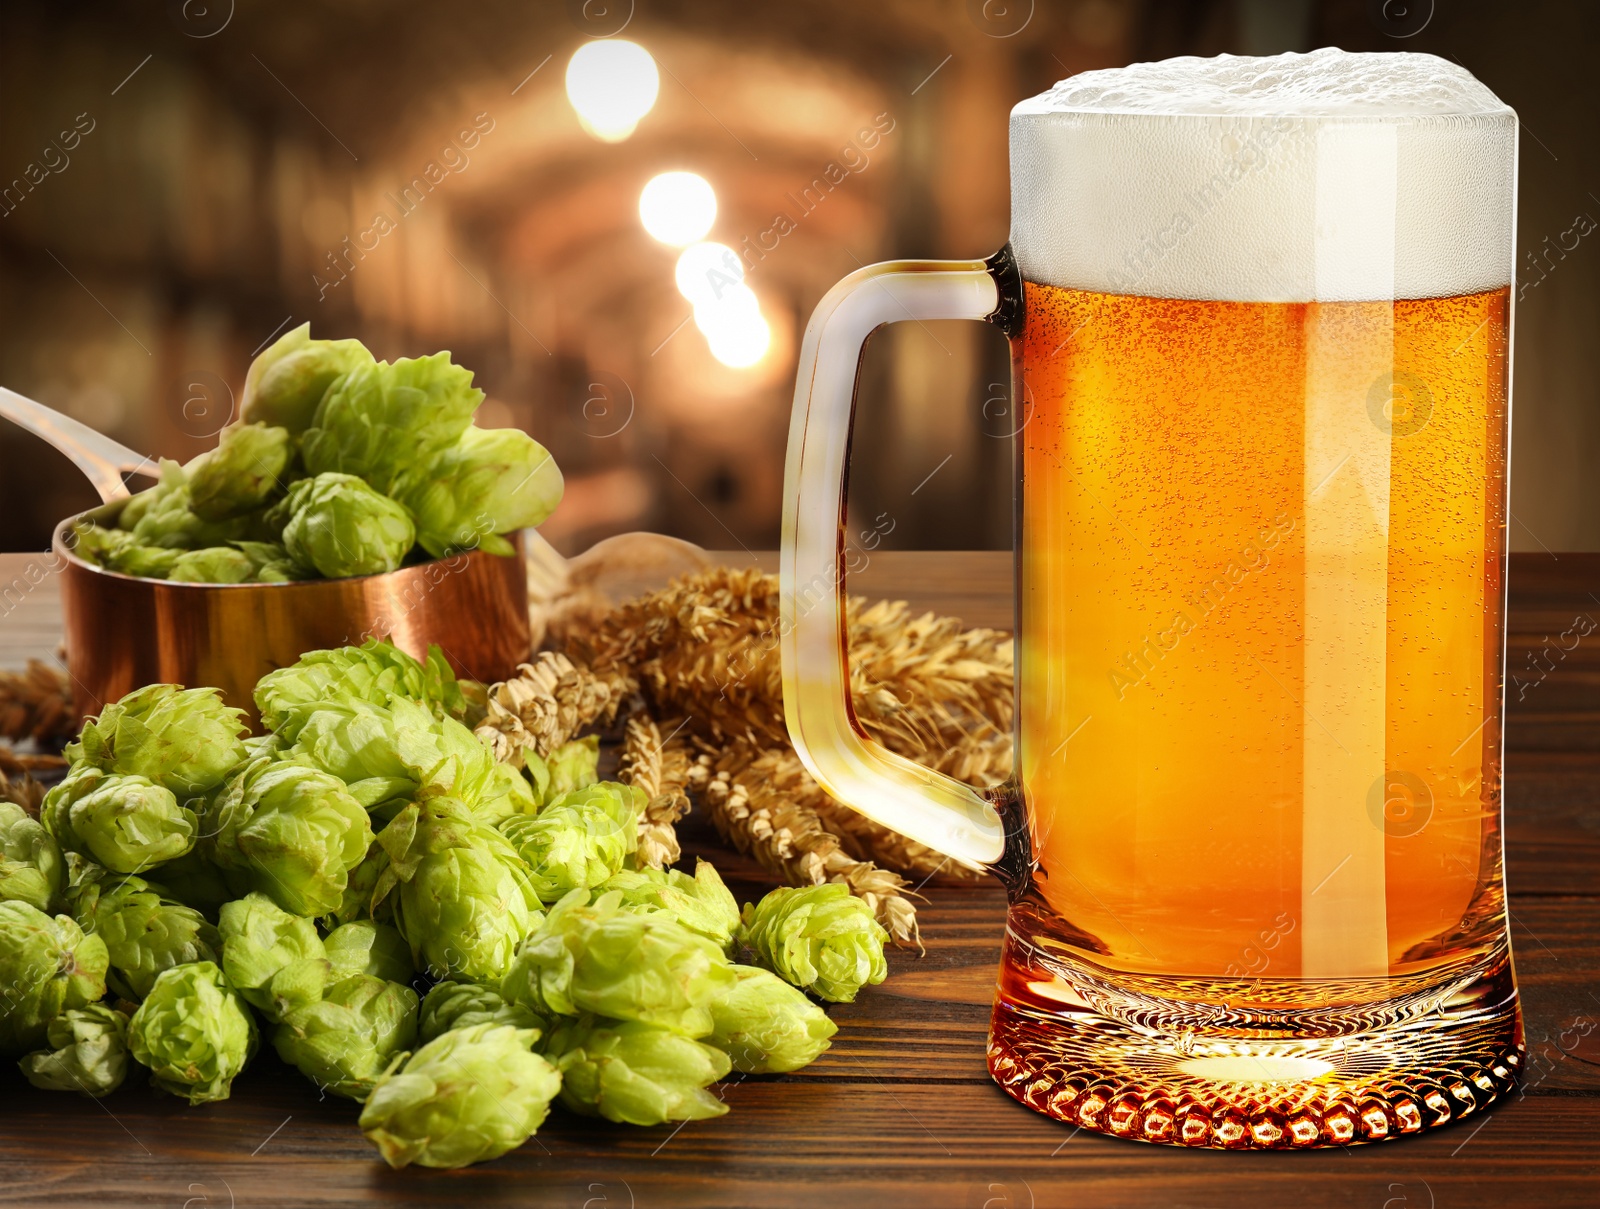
(1165, 1067)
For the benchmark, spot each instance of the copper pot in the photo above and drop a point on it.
(123, 632)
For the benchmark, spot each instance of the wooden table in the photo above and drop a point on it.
(901, 1110)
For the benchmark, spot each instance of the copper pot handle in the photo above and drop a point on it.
(101, 459)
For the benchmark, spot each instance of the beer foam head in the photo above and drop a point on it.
(1327, 176)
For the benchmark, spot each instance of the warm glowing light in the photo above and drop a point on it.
(678, 207)
(734, 327)
(743, 346)
(735, 306)
(612, 83)
(1257, 1068)
(707, 271)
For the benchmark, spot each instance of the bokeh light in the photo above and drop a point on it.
(678, 208)
(612, 84)
(734, 327)
(706, 271)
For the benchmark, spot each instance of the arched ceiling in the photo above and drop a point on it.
(259, 142)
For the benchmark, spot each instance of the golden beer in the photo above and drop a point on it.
(1165, 621)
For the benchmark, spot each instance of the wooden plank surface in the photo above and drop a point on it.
(901, 1110)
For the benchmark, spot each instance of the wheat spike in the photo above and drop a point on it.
(37, 704)
(706, 646)
(867, 840)
(17, 785)
(933, 690)
(764, 802)
(658, 765)
(548, 702)
(697, 647)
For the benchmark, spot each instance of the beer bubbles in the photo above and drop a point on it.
(612, 83)
(678, 207)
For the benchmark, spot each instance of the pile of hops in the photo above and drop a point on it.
(338, 465)
(692, 675)
(697, 664)
(452, 940)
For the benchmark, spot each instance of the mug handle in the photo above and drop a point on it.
(918, 802)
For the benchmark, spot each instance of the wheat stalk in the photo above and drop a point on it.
(869, 840)
(548, 702)
(17, 785)
(37, 704)
(705, 651)
(764, 803)
(706, 647)
(659, 765)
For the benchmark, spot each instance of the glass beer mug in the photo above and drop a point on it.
(1260, 320)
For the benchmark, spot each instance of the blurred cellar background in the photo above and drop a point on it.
(184, 179)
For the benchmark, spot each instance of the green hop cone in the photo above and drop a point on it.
(452, 1005)
(768, 1027)
(126, 822)
(194, 1032)
(144, 930)
(364, 947)
(141, 505)
(196, 880)
(491, 481)
(573, 765)
(268, 744)
(503, 793)
(212, 565)
(31, 870)
(242, 473)
(701, 903)
(270, 563)
(447, 759)
(146, 562)
(468, 1095)
(578, 840)
(141, 502)
(287, 381)
(344, 1042)
(86, 1052)
(185, 739)
(384, 422)
(356, 742)
(118, 550)
(537, 773)
(47, 966)
(162, 516)
(820, 938)
(356, 904)
(281, 571)
(274, 959)
(635, 1074)
(261, 554)
(291, 832)
(605, 959)
(342, 527)
(403, 751)
(98, 545)
(376, 673)
(461, 895)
